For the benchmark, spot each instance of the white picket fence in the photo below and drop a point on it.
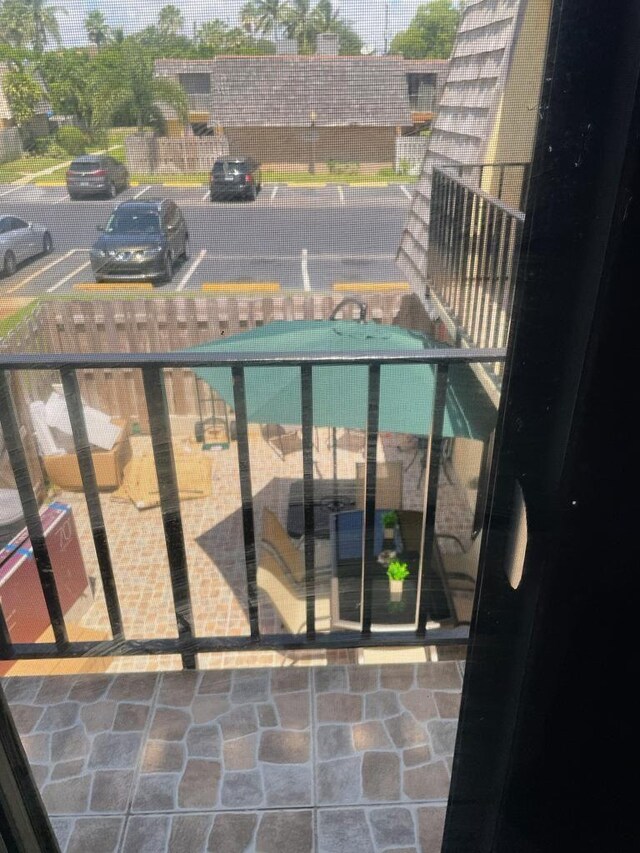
(412, 150)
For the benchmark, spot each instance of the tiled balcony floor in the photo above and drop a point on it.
(334, 759)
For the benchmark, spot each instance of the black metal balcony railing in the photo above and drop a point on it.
(187, 644)
(474, 240)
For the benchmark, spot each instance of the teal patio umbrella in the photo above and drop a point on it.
(340, 392)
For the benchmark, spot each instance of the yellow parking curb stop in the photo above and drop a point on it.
(370, 286)
(240, 286)
(113, 285)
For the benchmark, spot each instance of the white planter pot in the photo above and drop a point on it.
(389, 533)
(395, 590)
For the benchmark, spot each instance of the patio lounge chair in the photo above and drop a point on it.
(280, 577)
(388, 485)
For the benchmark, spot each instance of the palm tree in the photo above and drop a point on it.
(45, 23)
(170, 21)
(299, 24)
(15, 23)
(96, 26)
(326, 16)
(266, 15)
(140, 93)
(24, 22)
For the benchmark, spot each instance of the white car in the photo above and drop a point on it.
(20, 240)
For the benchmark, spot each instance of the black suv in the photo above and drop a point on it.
(235, 177)
(141, 241)
(96, 174)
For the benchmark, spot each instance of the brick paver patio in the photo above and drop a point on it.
(334, 759)
(215, 552)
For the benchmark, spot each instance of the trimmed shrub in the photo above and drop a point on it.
(72, 139)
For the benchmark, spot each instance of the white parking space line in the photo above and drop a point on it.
(204, 197)
(405, 191)
(341, 194)
(306, 281)
(194, 266)
(274, 193)
(68, 277)
(39, 272)
(14, 190)
(141, 192)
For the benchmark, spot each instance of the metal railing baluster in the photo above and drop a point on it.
(92, 497)
(246, 497)
(431, 493)
(158, 412)
(33, 522)
(370, 479)
(306, 396)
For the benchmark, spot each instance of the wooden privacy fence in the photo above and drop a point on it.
(164, 325)
(168, 154)
(10, 144)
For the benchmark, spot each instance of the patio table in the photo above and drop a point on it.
(346, 579)
(330, 496)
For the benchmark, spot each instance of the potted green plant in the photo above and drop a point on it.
(397, 572)
(389, 521)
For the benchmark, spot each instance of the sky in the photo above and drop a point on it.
(367, 16)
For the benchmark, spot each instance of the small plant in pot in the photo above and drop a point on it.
(389, 521)
(397, 572)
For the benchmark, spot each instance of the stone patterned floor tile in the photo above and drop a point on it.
(245, 755)
(95, 835)
(379, 737)
(146, 834)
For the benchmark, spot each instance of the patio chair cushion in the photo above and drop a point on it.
(388, 485)
(277, 587)
(276, 538)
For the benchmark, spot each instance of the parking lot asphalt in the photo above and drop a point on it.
(302, 238)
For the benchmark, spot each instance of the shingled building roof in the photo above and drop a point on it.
(283, 91)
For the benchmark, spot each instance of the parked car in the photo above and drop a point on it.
(141, 241)
(235, 177)
(96, 174)
(20, 240)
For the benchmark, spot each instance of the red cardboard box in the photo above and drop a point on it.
(21, 596)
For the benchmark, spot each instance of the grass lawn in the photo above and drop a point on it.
(30, 163)
(24, 307)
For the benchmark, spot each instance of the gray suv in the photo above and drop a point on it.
(96, 174)
(141, 241)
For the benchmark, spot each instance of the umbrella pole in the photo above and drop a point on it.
(335, 465)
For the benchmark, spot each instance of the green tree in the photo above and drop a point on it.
(263, 16)
(298, 20)
(170, 20)
(349, 42)
(15, 24)
(132, 89)
(327, 19)
(326, 16)
(215, 38)
(97, 28)
(72, 78)
(431, 33)
(44, 22)
(161, 44)
(23, 92)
